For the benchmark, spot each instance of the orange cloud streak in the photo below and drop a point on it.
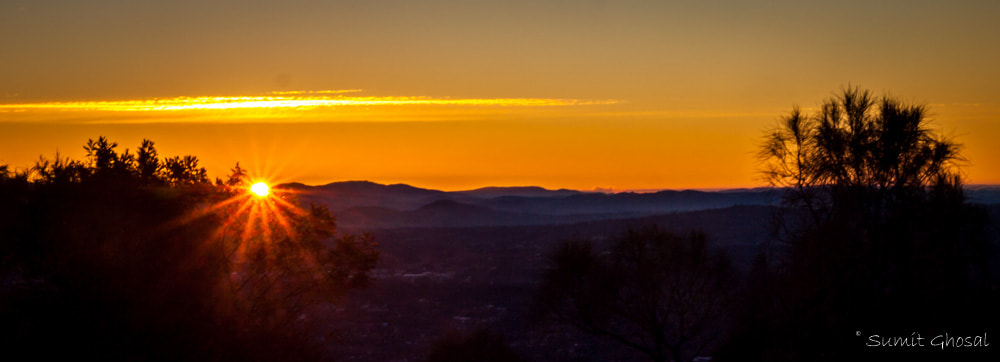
(286, 100)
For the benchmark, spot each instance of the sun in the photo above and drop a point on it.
(260, 189)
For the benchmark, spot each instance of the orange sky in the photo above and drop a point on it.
(575, 94)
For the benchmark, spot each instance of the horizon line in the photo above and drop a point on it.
(598, 189)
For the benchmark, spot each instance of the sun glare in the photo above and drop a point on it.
(260, 189)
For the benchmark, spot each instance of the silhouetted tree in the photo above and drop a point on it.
(237, 176)
(101, 153)
(882, 240)
(184, 171)
(661, 294)
(147, 161)
(858, 149)
(91, 271)
(124, 165)
(60, 170)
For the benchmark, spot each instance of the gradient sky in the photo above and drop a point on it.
(576, 94)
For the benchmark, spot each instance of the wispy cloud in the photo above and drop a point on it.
(288, 100)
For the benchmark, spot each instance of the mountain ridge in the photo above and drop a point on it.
(361, 204)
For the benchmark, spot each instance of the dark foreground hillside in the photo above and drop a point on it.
(435, 280)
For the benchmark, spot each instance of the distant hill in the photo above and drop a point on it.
(983, 194)
(521, 191)
(340, 196)
(373, 205)
(629, 204)
(446, 213)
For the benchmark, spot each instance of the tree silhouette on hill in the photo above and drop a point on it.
(879, 238)
(133, 257)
